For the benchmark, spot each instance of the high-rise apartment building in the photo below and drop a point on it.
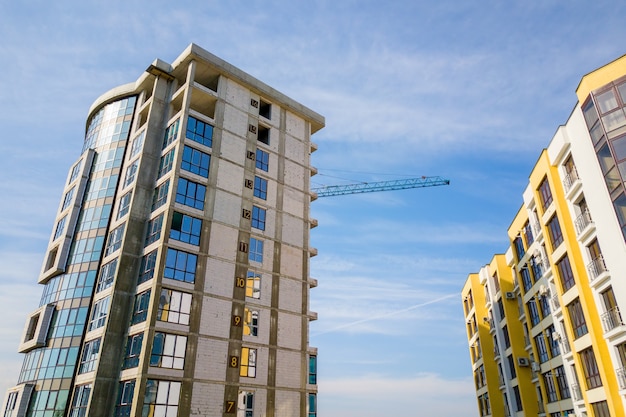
(176, 281)
(555, 297)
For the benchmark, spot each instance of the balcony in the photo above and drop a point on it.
(596, 267)
(570, 179)
(582, 221)
(611, 319)
(565, 344)
(540, 408)
(576, 393)
(621, 377)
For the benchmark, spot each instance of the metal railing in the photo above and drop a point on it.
(621, 377)
(565, 344)
(569, 179)
(582, 221)
(611, 319)
(576, 393)
(596, 267)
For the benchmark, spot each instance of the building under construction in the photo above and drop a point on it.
(176, 281)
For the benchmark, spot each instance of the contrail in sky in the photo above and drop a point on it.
(393, 313)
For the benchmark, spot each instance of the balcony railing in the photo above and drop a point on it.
(555, 302)
(565, 344)
(569, 179)
(582, 221)
(596, 267)
(611, 319)
(540, 408)
(621, 377)
(576, 393)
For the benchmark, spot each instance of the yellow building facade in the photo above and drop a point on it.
(555, 296)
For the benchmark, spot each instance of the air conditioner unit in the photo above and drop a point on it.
(543, 290)
(523, 362)
(535, 367)
(556, 336)
(509, 295)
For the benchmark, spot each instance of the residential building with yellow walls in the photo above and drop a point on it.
(560, 279)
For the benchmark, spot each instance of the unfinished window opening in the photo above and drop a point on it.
(264, 135)
(265, 109)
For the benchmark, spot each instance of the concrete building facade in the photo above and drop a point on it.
(176, 281)
(566, 258)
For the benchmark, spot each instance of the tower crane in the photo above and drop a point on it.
(370, 187)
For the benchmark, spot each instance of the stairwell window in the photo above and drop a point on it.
(258, 217)
(248, 362)
(256, 250)
(140, 308)
(115, 240)
(99, 314)
(262, 160)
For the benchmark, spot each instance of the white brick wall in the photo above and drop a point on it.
(294, 175)
(211, 359)
(216, 317)
(223, 242)
(287, 404)
(235, 121)
(219, 278)
(288, 369)
(233, 148)
(230, 177)
(291, 262)
(293, 231)
(295, 149)
(207, 399)
(289, 331)
(290, 297)
(295, 125)
(293, 201)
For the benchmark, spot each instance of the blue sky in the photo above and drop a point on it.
(469, 91)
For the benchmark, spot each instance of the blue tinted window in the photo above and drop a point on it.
(256, 250)
(260, 188)
(190, 193)
(146, 270)
(140, 310)
(186, 228)
(171, 134)
(199, 131)
(166, 163)
(180, 265)
(258, 218)
(195, 161)
(154, 229)
(160, 195)
(262, 160)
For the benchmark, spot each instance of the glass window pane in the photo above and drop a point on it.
(606, 101)
(619, 146)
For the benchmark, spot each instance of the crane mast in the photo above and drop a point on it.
(370, 187)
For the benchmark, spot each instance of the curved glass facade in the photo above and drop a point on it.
(52, 368)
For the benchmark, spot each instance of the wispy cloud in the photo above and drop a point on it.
(422, 394)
